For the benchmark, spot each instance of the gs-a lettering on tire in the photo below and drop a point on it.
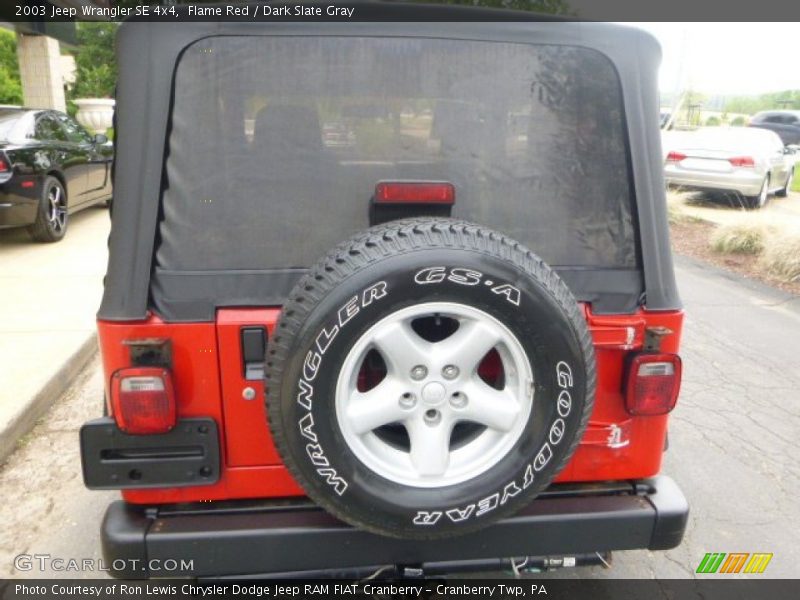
(428, 377)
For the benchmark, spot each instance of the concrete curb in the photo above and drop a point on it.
(32, 408)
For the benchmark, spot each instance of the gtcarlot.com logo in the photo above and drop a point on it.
(47, 562)
(735, 562)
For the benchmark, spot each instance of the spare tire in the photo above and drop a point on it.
(428, 377)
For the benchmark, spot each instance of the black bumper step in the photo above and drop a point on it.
(244, 540)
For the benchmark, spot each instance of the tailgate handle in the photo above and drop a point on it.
(254, 346)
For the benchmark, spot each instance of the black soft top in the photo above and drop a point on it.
(148, 52)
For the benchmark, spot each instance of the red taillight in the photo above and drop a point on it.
(653, 384)
(675, 157)
(742, 161)
(6, 171)
(415, 192)
(143, 400)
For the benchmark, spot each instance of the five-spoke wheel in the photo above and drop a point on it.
(433, 418)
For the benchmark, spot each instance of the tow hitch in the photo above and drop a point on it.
(515, 566)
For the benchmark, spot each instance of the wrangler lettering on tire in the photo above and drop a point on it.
(428, 377)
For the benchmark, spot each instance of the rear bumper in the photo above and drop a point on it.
(16, 210)
(280, 538)
(744, 182)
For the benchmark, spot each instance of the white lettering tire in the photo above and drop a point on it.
(427, 378)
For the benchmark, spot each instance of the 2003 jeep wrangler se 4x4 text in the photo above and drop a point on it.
(386, 296)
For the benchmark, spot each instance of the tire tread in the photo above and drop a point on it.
(391, 239)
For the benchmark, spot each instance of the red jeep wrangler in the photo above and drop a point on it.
(377, 283)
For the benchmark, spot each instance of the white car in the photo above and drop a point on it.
(752, 163)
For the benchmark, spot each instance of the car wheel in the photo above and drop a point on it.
(760, 200)
(427, 378)
(784, 191)
(51, 216)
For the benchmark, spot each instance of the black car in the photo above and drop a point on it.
(50, 167)
(786, 123)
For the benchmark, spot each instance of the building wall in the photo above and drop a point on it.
(40, 69)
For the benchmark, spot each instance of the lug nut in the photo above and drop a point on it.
(407, 400)
(450, 372)
(458, 400)
(419, 372)
(432, 416)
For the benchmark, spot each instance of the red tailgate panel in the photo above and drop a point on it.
(252, 443)
(209, 381)
(198, 390)
(616, 445)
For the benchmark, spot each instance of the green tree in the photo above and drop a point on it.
(713, 121)
(10, 86)
(786, 99)
(738, 121)
(96, 67)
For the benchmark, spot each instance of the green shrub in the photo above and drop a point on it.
(10, 86)
(96, 66)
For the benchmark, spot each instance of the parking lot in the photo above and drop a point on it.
(733, 446)
(50, 296)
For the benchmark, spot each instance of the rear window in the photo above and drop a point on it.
(276, 145)
(13, 124)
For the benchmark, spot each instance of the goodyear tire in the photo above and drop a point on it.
(427, 378)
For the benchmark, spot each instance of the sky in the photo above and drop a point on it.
(728, 58)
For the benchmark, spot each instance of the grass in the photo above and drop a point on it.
(773, 239)
(781, 255)
(675, 213)
(796, 182)
(745, 237)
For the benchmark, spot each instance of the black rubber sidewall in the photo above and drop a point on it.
(44, 209)
(540, 325)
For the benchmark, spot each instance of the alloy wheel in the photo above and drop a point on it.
(56, 209)
(432, 419)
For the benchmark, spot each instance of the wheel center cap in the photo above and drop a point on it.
(433, 393)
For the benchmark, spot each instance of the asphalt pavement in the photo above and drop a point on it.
(733, 446)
